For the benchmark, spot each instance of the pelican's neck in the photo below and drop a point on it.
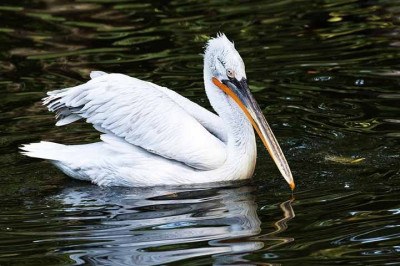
(241, 146)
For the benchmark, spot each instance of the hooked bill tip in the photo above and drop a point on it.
(292, 186)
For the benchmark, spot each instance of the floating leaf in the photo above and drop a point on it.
(344, 159)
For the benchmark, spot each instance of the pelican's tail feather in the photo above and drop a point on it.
(64, 157)
(44, 150)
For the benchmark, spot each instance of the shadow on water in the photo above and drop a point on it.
(124, 226)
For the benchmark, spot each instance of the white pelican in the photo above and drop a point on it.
(154, 136)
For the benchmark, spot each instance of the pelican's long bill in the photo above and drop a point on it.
(240, 93)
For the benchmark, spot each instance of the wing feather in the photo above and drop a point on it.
(143, 115)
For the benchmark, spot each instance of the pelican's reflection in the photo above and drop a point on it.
(161, 225)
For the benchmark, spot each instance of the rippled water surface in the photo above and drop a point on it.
(326, 74)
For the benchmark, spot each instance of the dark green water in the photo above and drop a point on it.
(327, 74)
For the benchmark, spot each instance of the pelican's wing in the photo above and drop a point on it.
(209, 120)
(143, 115)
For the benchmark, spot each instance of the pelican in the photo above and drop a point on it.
(153, 136)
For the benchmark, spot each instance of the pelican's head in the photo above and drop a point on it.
(224, 68)
(222, 59)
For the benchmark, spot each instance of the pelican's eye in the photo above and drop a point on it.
(230, 73)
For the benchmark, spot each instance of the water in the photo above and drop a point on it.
(326, 74)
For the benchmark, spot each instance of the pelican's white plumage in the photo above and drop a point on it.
(143, 115)
(154, 136)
